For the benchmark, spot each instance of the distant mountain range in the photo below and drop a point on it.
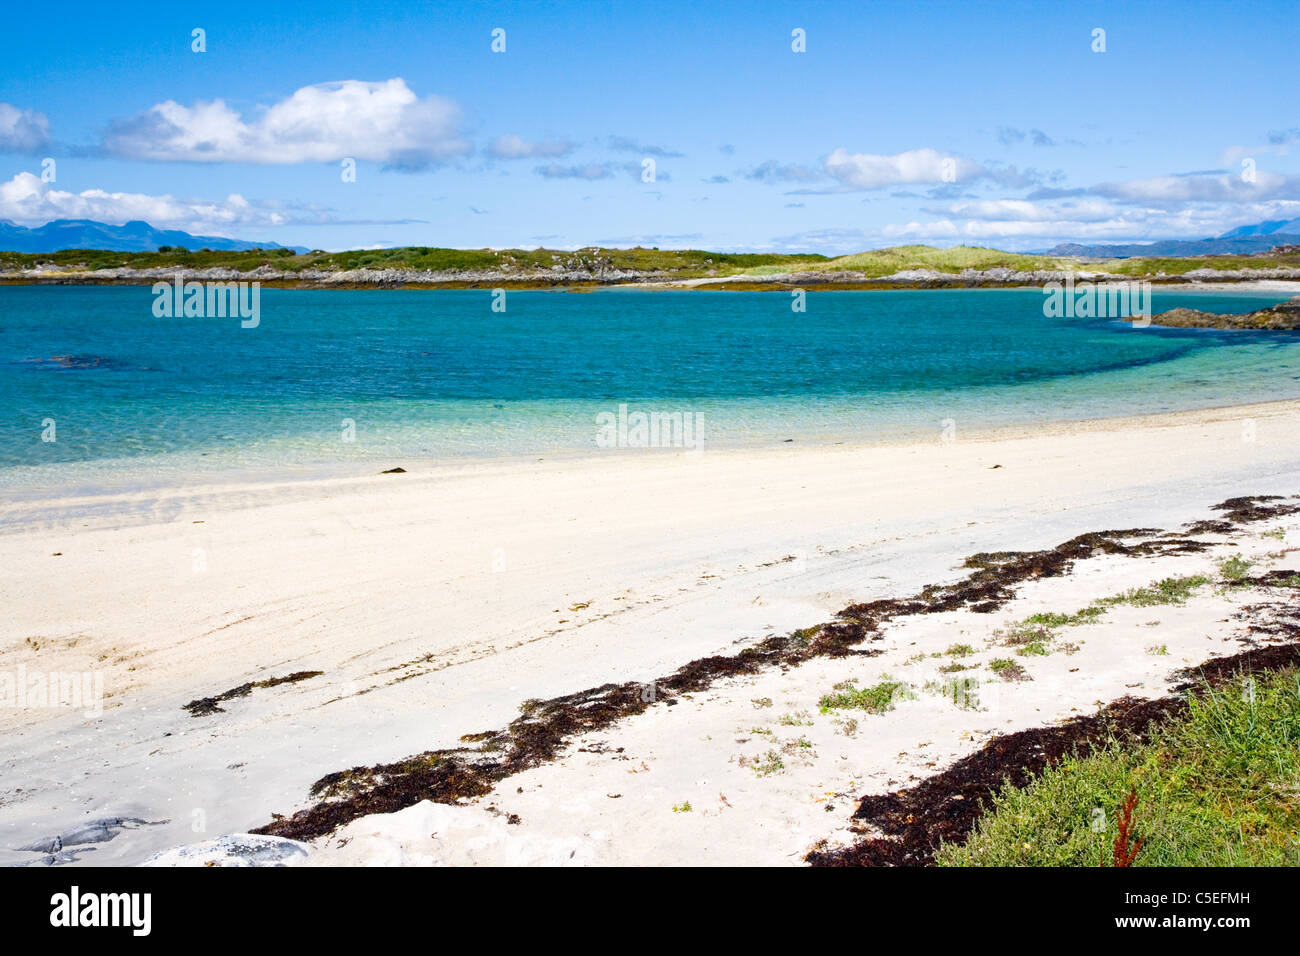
(139, 236)
(1288, 227)
(133, 236)
(1243, 240)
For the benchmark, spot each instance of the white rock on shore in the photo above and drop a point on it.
(237, 849)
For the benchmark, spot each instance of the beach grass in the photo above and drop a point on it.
(1033, 636)
(876, 699)
(1218, 787)
(1234, 570)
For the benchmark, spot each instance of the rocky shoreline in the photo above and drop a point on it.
(1284, 317)
(567, 277)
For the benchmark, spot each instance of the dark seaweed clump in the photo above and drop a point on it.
(212, 705)
(1238, 511)
(544, 727)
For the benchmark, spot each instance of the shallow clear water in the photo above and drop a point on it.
(438, 374)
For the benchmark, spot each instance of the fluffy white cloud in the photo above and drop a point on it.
(1023, 210)
(27, 200)
(1019, 224)
(1193, 205)
(874, 171)
(22, 131)
(1204, 187)
(378, 121)
(1051, 222)
(511, 146)
(1053, 230)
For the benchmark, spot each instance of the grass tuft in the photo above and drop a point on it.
(1235, 570)
(876, 699)
(1218, 787)
(1008, 669)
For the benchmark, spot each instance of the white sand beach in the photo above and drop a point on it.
(434, 602)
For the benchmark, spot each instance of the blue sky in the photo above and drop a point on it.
(988, 124)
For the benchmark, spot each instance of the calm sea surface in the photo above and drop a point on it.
(138, 400)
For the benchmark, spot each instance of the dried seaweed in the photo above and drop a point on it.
(544, 727)
(212, 705)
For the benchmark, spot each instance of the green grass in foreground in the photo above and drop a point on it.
(1220, 787)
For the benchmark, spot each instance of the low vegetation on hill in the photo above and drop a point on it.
(607, 264)
(881, 262)
(683, 263)
(1141, 267)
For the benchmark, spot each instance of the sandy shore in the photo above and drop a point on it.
(434, 602)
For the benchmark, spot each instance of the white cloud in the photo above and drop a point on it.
(27, 200)
(511, 146)
(1018, 224)
(1204, 187)
(1089, 221)
(22, 131)
(874, 171)
(972, 229)
(1023, 210)
(378, 121)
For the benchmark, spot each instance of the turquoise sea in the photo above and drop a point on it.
(138, 400)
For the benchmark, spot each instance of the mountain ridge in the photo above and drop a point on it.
(1243, 240)
(136, 235)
